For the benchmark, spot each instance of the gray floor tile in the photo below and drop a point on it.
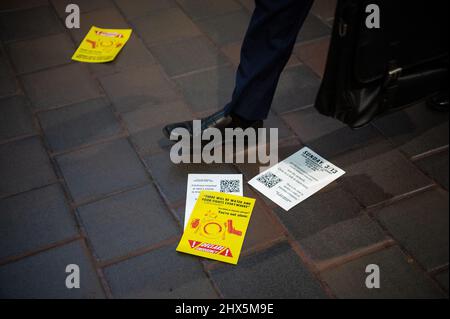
(233, 52)
(130, 89)
(138, 8)
(78, 124)
(314, 54)
(275, 121)
(343, 238)
(145, 124)
(420, 224)
(24, 165)
(313, 28)
(209, 90)
(29, 23)
(101, 169)
(8, 82)
(436, 167)
(187, 55)
(442, 278)
(319, 212)
(15, 118)
(108, 18)
(24, 4)
(43, 275)
(36, 54)
(297, 88)
(275, 273)
(84, 5)
(328, 136)
(162, 273)
(60, 86)
(203, 9)
(263, 228)
(133, 55)
(398, 278)
(227, 28)
(377, 172)
(172, 178)
(167, 25)
(127, 222)
(416, 129)
(33, 220)
(324, 9)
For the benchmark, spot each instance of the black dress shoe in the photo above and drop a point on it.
(219, 120)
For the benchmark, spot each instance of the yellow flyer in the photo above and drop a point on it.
(217, 226)
(101, 45)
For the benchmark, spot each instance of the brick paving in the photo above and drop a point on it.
(85, 175)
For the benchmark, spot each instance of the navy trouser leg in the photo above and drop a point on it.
(267, 47)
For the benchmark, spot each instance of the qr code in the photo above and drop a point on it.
(269, 179)
(230, 186)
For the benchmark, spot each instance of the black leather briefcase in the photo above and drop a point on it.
(371, 72)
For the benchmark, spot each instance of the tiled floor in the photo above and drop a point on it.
(85, 175)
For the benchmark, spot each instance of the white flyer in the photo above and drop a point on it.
(225, 183)
(296, 178)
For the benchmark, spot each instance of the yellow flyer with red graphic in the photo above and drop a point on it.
(217, 226)
(101, 45)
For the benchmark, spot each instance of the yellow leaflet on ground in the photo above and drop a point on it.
(217, 226)
(101, 45)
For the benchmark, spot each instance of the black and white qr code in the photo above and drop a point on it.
(230, 186)
(269, 179)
